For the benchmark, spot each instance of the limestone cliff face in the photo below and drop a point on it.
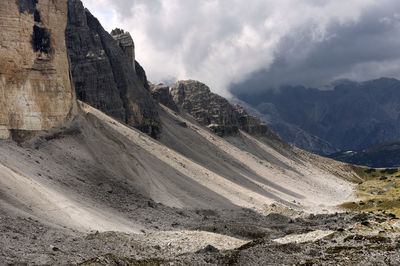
(35, 86)
(212, 110)
(104, 76)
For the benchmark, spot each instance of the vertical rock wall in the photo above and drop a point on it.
(126, 43)
(104, 75)
(35, 85)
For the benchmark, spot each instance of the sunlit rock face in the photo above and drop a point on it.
(35, 84)
(212, 110)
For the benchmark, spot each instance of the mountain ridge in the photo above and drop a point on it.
(207, 108)
(370, 109)
(381, 155)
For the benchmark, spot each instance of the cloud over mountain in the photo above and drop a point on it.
(275, 42)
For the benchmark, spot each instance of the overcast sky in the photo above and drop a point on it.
(272, 42)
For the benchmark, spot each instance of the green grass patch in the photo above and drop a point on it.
(379, 190)
(389, 171)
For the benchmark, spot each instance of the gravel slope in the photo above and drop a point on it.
(89, 175)
(97, 174)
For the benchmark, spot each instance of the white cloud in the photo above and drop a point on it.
(224, 41)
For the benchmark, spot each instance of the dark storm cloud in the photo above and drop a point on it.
(224, 42)
(126, 8)
(364, 49)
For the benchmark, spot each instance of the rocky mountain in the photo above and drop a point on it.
(215, 188)
(208, 109)
(298, 136)
(36, 90)
(162, 95)
(105, 72)
(382, 155)
(351, 116)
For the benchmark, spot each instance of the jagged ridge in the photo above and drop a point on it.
(209, 109)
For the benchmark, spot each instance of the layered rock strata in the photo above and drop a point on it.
(35, 85)
(104, 75)
(209, 109)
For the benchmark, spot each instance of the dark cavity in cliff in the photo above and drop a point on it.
(41, 40)
(27, 5)
(30, 7)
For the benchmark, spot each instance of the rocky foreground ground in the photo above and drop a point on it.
(173, 236)
(211, 238)
(49, 199)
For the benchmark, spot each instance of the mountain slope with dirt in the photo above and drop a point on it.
(138, 200)
(189, 168)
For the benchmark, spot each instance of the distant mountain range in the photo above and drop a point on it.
(386, 154)
(350, 116)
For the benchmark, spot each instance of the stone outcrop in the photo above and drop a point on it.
(212, 110)
(35, 85)
(161, 94)
(126, 43)
(104, 75)
(249, 123)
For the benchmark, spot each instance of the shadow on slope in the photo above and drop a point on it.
(109, 174)
(194, 146)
